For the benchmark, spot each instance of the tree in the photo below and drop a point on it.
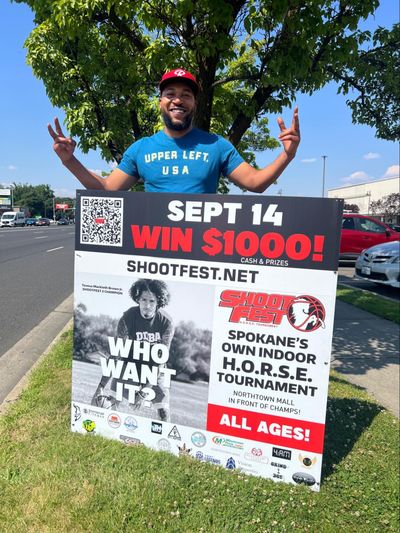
(352, 208)
(374, 75)
(100, 61)
(191, 351)
(37, 199)
(388, 206)
(91, 334)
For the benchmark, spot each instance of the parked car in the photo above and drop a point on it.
(360, 232)
(380, 264)
(43, 222)
(31, 221)
(395, 227)
(63, 222)
(12, 218)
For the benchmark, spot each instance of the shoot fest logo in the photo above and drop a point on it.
(304, 313)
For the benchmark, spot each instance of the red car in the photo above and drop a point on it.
(360, 232)
(43, 222)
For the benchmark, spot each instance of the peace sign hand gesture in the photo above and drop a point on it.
(63, 146)
(290, 137)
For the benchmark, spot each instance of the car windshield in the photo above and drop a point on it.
(8, 217)
(348, 223)
(370, 226)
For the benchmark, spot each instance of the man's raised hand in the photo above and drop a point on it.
(290, 137)
(63, 146)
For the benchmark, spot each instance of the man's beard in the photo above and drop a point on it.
(178, 126)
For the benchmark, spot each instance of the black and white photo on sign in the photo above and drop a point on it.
(180, 338)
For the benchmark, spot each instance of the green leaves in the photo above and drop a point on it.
(389, 205)
(36, 199)
(374, 73)
(100, 61)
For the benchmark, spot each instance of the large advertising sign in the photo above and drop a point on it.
(5, 198)
(203, 326)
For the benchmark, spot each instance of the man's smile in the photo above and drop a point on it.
(177, 112)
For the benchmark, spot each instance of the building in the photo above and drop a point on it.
(363, 194)
(5, 200)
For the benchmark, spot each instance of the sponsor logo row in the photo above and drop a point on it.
(171, 437)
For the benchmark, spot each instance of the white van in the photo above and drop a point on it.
(12, 218)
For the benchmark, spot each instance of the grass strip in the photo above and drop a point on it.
(55, 480)
(373, 303)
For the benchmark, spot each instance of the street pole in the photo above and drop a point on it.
(54, 212)
(323, 175)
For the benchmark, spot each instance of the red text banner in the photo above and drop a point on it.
(276, 232)
(276, 430)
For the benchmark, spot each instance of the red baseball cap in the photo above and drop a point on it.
(179, 74)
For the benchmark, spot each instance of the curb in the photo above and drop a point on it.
(22, 347)
(350, 286)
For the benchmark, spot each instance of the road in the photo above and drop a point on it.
(36, 272)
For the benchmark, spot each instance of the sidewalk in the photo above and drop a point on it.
(366, 351)
(18, 361)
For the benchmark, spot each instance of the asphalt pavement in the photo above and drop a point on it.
(17, 362)
(36, 273)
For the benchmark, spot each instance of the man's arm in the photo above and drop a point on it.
(64, 147)
(122, 331)
(255, 180)
(167, 334)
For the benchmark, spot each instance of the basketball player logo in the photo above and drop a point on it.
(306, 313)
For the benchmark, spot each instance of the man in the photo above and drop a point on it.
(147, 323)
(180, 158)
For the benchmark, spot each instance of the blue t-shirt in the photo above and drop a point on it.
(190, 164)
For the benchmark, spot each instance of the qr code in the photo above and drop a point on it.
(101, 220)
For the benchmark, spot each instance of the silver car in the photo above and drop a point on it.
(380, 264)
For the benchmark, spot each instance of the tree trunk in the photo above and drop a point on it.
(206, 77)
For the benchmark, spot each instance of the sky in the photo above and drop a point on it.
(354, 154)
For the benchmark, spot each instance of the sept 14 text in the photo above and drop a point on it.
(198, 211)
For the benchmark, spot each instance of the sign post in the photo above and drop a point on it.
(231, 364)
